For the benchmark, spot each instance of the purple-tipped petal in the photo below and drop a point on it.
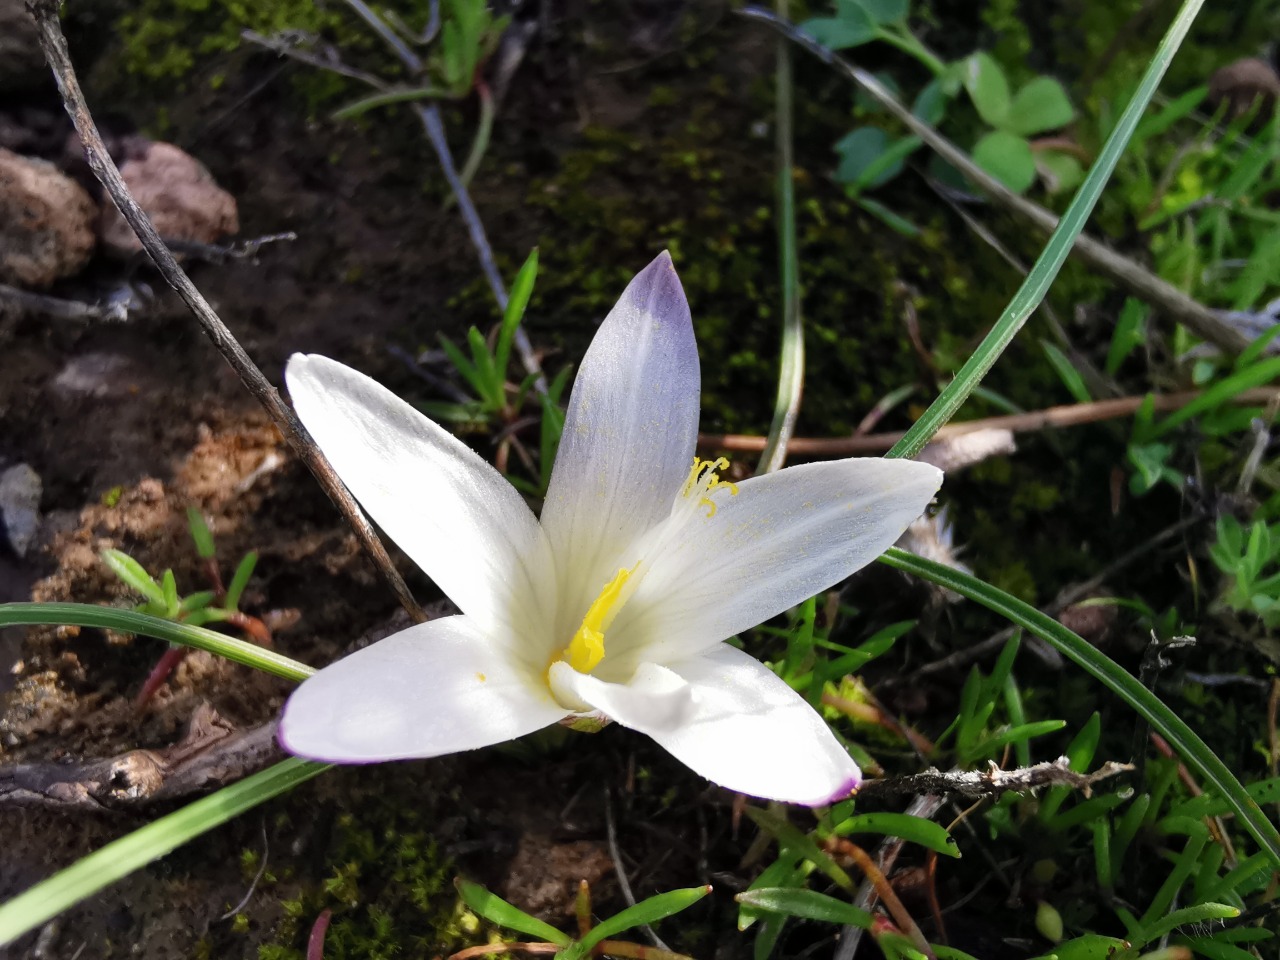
(629, 434)
(439, 687)
(729, 718)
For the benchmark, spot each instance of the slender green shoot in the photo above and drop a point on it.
(129, 621)
(121, 857)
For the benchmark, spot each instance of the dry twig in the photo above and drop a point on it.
(992, 782)
(1066, 415)
(211, 754)
(54, 44)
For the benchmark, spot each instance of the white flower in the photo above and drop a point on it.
(618, 602)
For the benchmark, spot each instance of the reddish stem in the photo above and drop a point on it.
(315, 942)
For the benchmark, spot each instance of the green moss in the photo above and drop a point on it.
(389, 888)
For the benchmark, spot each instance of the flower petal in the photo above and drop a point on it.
(628, 437)
(730, 719)
(451, 512)
(439, 687)
(781, 539)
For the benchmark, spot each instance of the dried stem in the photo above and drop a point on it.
(1129, 274)
(992, 782)
(885, 890)
(1067, 415)
(54, 44)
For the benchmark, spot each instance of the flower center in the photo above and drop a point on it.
(586, 649)
(704, 478)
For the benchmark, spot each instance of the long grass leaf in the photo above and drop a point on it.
(127, 621)
(1193, 750)
(121, 857)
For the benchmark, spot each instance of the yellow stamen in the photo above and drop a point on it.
(586, 649)
(703, 478)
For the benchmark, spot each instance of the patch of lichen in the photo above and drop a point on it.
(388, 885)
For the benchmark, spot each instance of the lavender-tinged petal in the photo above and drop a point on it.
(629, 435)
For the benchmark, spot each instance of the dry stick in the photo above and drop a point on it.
(1067, 415)
(884, 890)
(1128, 273)
(54, 44)
(61, 309)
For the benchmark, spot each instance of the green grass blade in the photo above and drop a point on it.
(1260, 373)
(521, 291)
(132, 573)
(808, 904)
(496, 910)
(1055, 252)
(926, 833)
(127, 621)
(121, 857)
(1194, 751)
(648, 911)
(786, 409)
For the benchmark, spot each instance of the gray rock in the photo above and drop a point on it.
(20, 490)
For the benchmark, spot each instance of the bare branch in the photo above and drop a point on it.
(212, 754)
(1067, 415)
(54, 44)
(992, 782)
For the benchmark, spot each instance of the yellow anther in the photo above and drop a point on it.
(586, 649)
(703, 479)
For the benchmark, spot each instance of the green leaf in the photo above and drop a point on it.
(931, 102)
(130, 571)
(1060, 171)
(1186, 743)
(200, 533)
(491, 389)
(462, 364)
(1055, 252)
(917, 830)
(1008, 158)
(988, 88)
(129, 621)
(517, 302)
(1067, 373)
(240, 579)
(881, 12)
(391, 98)
(196, 601)
(1130, 332)
(808, 904)
(1039, 106)
(894, 221)
(798, 842)
(841, 33)
(496, 910)
(1187, 916)
(169, 584)
(645, 912)
(1260, 373)
(118, 859)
